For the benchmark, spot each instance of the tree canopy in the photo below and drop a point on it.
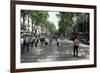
(66, 21)
(38, 18)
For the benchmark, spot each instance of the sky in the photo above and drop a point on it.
(53, 18)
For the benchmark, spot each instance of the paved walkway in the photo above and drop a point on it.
(53, 53)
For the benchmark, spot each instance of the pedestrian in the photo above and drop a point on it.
(58, 42)
(46, 41)
(32, 41)
(36, 40)
(50, 39)
(27, 40)
(41, 40)
(76, 46)
(22, 45)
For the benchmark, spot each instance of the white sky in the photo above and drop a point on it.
(53, 18)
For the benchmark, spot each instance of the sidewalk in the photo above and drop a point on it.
(52, 52)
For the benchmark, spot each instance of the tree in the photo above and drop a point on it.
(23, 15)
(65, 22)
(38, 18)
(50, 27)
(28, 15)
(82, 22)
(33, 19)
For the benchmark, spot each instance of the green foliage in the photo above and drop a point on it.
(66, 21)
(50, 26)
(39, 18)
(23, 15)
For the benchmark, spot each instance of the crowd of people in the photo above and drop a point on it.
(28, 41)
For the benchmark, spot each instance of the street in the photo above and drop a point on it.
(52, 52)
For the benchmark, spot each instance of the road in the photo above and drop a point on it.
(52, 52)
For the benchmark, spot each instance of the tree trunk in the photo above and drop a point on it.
(32, 28)
(24, 28)
(28, 20)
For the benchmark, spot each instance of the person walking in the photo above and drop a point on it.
(58, 42)
(46, 41)
(36, 42)
(22, 45)
(50, 40)
(76, 46)
(27, 40)
(32, 41)
(42, 40)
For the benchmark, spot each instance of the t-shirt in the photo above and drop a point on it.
(46, 40)
(27, 39)
(58, 40)
(76, 42)
(22, 40)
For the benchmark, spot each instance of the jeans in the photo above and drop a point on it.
(75, 50)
